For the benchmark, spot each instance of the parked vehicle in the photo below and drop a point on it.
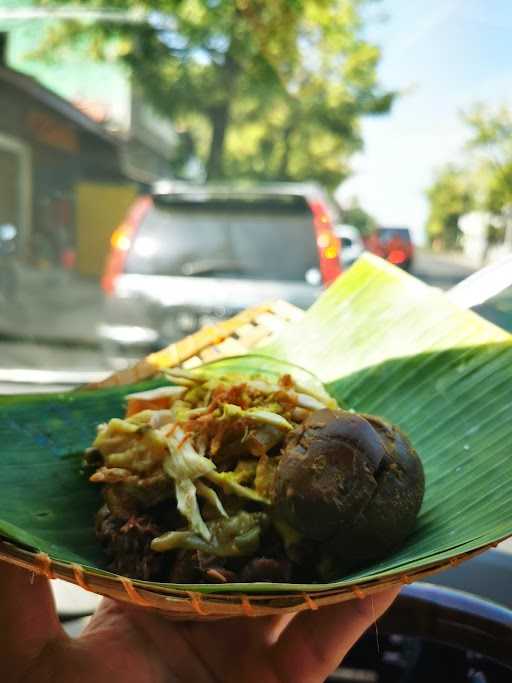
(394, 244)
(352, 245)
(188, 255)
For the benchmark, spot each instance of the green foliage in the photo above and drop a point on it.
(355, 215)
(491, 131)
(449, 197)
(258, 90)
(483, 182)
(491, 142)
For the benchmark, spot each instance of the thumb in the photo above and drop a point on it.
(316, 642)
(28, 620)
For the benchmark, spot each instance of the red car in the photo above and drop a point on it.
(393, 244)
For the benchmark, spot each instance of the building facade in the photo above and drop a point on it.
(47, 148)
(77, 143)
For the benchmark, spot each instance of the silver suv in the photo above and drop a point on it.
(186, 256)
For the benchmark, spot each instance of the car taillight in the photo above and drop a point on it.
(327, 242)
(397, 256)
(121, 241)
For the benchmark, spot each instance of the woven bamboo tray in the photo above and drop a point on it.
(228, 338)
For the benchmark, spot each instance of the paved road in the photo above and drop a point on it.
(54, 311)
(441, 270)
(52, 304)
(446, 271)
(50, 323)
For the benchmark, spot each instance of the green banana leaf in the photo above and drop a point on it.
(383, 343)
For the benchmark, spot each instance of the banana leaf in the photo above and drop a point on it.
(382, 342)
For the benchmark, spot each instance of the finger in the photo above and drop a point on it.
(236, 639)
(28, 620)
(238, 649)
(183, 655)
(132, 652)
(316, 642)
(210, 650)
(257, 632)
(276, 627)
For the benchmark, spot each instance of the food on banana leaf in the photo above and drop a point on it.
(249, 479)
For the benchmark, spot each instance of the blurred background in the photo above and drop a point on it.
(160, 171)
(163, 170)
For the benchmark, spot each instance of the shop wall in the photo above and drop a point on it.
(100, 208)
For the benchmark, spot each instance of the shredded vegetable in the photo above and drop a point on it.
(207, 447)
(238, 535)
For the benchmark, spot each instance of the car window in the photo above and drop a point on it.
(232, 120)
(387, 234)
(212, 239)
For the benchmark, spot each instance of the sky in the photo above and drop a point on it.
(444, 55)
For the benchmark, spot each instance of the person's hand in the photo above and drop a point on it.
(131, 645)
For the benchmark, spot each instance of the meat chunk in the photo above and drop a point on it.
(127, 545)
(351, 484)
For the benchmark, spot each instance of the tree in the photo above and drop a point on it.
(491, 143)
(355, 215)
(257, 90)
(449, 198)
(482, 182)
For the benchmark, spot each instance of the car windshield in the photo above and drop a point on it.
(224, 145)
(269, 240)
